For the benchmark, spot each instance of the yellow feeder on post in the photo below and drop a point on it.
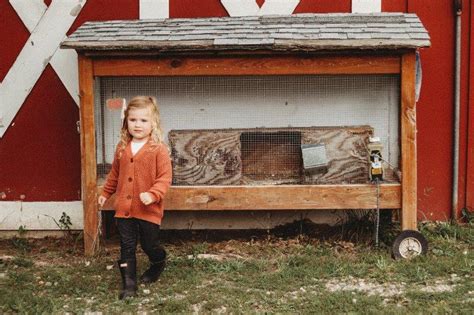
(374, 148)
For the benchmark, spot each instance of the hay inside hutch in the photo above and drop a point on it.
(242, 99)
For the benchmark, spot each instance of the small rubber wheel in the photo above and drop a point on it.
(409, 244)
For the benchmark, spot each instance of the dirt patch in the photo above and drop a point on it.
(365, 286)
(438, 287)
(217, 257)
(385, 289)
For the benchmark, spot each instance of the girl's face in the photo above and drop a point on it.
(139, 123)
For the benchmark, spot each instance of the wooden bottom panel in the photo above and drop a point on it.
(282, 197)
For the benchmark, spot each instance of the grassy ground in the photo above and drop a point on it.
(290, 274)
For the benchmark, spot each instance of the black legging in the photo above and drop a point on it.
(130, 230)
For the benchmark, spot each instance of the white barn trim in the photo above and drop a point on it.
(39, 215)
(250, 7)
(366, 6)
(154, 9)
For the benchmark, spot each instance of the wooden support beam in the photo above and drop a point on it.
(260, 65)
(280, 197)
(408, 143)
(88, 159)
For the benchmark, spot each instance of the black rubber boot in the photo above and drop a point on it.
(154, 272)
(128, 270)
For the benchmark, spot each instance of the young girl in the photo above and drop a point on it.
(140, 177)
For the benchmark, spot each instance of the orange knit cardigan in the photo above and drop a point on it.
(149, 170)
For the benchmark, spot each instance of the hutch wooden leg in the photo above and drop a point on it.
(408, 142)
(88, 159)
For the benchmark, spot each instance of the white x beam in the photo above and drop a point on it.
(48, 27)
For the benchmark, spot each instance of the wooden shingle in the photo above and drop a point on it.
(300, 32)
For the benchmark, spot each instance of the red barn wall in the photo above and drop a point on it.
(40, 151)
(40, 156)
(435, 109)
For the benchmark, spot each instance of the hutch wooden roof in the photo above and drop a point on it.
(289, 33)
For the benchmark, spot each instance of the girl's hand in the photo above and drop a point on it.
(146, 198)
(102, 201)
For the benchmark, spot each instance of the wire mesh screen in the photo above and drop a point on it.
(271, 154)
(252, 125)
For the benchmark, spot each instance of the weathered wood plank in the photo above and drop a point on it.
(88, 155)
(346, 151)
(260, 65)
(280, 197)
(214, 157)
(408, 143)
(211, 157)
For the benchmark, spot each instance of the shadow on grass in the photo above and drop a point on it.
(353, 226)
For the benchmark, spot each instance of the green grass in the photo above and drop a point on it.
(298, 274)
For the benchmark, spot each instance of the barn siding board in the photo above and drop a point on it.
(470, 143)
(40, 153)
(189, 9)
(323, 6)
(466, 104)
(394, 5)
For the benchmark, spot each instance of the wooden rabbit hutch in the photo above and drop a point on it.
(242, 98)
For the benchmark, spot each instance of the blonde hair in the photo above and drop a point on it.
(139, 102)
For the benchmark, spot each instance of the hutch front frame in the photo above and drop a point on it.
(366, 57)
